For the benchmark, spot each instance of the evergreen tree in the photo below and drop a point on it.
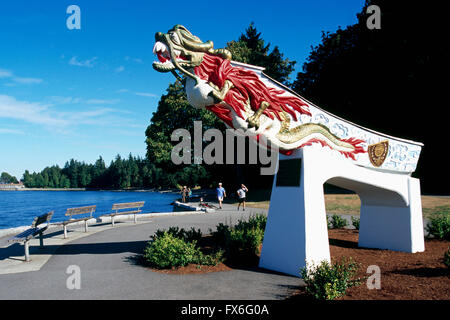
(251, 49)
(174, 112)
(384, 79)
(5, 177)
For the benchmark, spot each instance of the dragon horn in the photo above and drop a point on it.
(194, 43)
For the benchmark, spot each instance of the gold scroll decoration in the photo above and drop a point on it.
(377, 152)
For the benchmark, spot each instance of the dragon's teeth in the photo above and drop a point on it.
(159, 47)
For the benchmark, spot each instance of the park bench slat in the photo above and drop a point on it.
(23, 236)
(78, 211)
(129, 205)
(33, 231)
(123, 206)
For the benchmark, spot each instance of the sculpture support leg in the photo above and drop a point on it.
(296, 230)
(397, 228)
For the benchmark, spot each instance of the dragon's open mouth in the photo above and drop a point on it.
(164, 62)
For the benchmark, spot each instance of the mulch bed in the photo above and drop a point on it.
(404, 276)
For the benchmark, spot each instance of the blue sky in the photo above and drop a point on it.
(91, 92)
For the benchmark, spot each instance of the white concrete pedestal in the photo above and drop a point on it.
(296, 231)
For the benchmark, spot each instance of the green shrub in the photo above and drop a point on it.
(244, 238)
(177, 248)
(221, 234)
(167, 251)
(328, 282)
(447, 258)
(244, 241)
(212, 259)
(336, 222)
(188, 236)
(355, 222)
(254, 222)
(193, 235)
(439, 226)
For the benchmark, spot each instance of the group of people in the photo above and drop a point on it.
(186, 193)
(241, 192)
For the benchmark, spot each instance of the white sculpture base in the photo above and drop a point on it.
(296, 231)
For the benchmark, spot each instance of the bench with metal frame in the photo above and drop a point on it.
(87, 211)
(32, 232)
(118, 207)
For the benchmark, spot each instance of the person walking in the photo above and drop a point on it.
(242, 194)
(220, 191)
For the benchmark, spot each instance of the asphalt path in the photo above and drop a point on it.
(107, 268)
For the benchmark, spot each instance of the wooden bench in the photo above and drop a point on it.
(34, 230)
(132, 207)
(86, 211)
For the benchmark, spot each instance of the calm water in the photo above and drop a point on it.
(18, 208)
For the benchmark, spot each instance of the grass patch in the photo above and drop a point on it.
(351, 204)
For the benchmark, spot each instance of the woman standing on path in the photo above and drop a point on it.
(241, 194)
(183, 194)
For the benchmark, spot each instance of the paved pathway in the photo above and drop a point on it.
(107, 270)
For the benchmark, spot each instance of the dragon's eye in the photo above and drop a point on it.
(174, 38)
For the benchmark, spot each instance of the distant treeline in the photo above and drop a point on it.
(5, 177)
(122, 173)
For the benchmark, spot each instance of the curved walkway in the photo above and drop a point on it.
(107, 271)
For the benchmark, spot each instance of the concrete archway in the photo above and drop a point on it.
(296, 232)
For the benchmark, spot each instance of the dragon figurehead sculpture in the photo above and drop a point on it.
(245, 98)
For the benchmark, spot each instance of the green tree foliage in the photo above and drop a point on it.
(132, 172)
(5, 177)
(383, 79)
(174, 112)
(251, 49)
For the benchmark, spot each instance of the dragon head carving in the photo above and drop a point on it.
(239, 96)
(178, 49)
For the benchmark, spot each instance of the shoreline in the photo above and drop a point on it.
(7, 232)
(89, 189)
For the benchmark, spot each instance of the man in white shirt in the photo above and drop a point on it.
(241, 194)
